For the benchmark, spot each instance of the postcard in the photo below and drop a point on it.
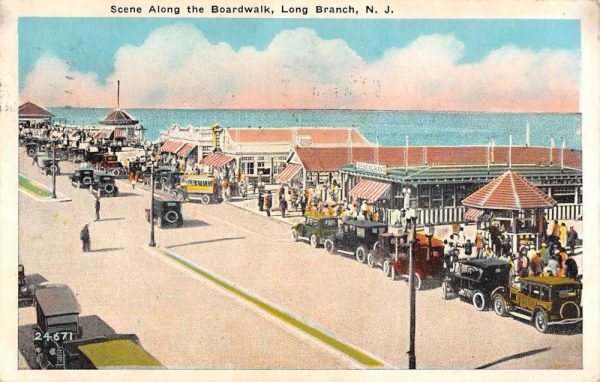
(299, 190)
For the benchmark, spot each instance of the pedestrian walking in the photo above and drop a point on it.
(523, 265)
(552, 267)
(554, 232)
(478, 244)
(468, 248)
(283, 206)
(269, 202)
(35, 159)
(544, 253)
(572, 238)
(84, 235)
(261, 201)
(97, 209)
(571, 271)
(563, 260)
(562, 235)
(303, 200)
(537, 264)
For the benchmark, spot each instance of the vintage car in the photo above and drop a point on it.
(25, 293)
(31, 149)
(315, 228)
(166, 212)
(82, 178)
(476, 280)
(110, 164)
(168, 180)
(355, 237)
(57, 313)
(392, 254)
(104, 185)
(48, 166)
(116, 351)
(543, 300)
(202, 188)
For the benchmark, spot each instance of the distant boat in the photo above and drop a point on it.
(67, 107)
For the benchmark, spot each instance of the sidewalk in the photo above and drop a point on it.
(250, 203)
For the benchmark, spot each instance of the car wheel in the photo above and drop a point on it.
(329, 246)
(445, 291)
(30, 152)
(370, 260)
(171, 217)
(361, 254)
(205, 199)
(294, 235)
(479, 300)
(500, 306)
(314, 242)
(417, 281)
(86, 180)
(540, 321)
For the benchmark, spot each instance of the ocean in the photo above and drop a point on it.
(389, 128)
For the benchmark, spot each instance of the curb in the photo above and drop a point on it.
(60, 197)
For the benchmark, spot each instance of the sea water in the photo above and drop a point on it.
(388, 128)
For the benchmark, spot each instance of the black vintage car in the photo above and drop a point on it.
(166, 212)
(104, 185)
(355, 237)
(82, 178)
(476, 280)
(57, 313)
(31, 149)
(109, 352)
(25, 294)
(48, 166)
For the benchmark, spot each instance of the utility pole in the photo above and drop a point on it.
(410, 216)
(54, 169)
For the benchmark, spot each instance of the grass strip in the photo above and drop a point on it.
(27, 185)
(356, 354)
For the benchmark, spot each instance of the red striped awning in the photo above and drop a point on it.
(288, 173)
(171, 146)
(119, 133)
(369, 190)
(472, 214)
(216, 160)
(185, 150)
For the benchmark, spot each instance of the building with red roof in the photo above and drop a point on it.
(32, 116)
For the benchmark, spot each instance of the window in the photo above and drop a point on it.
(564, 194)
(360, 232)
(545, 293)
(329, 222)
(535, 291)
(206, 150)
(424, 201)
(525, 288)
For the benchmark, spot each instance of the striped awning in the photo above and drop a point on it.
(171, 146)
(472, 214)
(369, 190)
(119, 133)
(216, 160)
(288, 173)
(185, 150)
(103, 134)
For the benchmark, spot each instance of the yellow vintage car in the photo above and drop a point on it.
(202, 188)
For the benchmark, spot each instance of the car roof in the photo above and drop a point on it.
(57, 299)
(118, 353)
(484, 263)
(551, 280)
(365, 223)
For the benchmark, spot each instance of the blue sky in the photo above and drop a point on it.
(89, 44)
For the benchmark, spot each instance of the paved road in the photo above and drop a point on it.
(187, 322)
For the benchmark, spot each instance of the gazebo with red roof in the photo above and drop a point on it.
(511, 199)
(34, 116)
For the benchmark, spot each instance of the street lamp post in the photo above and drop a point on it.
(54, 168)
(152, 243)
(411, 223)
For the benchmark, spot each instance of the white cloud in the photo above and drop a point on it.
(177, 66)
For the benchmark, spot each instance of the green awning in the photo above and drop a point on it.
(118, 353)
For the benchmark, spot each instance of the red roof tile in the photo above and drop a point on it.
(31, 110)
(509, 191)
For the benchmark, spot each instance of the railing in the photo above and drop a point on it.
(565, 212)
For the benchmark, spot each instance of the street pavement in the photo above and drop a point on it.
(188, 322)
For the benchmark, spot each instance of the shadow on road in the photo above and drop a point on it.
(92, 326)
(109, 219)
(514, 356)
(194, 223)
(107, 249)
(126, 194)
(206, 241)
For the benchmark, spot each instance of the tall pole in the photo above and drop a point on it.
(406, 154)
(412, 357)
(152, 242)
(54, 168)
(510, 151)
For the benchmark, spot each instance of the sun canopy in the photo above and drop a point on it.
(509, 191)
(472, 214)
(185, 150)
(171, 146)
(288, 173)
(120, 353)
(369, 190)
(216, 160)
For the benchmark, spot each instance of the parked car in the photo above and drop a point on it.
(109, 352)
(82, 178)
(166, 213)
(476, 280)
(104, 185)
(315, 228)
(57, 312)
(545, 301)
(355, 237)
(25, 294)
(110, 164)
(392, 254)
(202, 188)
(31, 148)
(169, 180)
(48, 166)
